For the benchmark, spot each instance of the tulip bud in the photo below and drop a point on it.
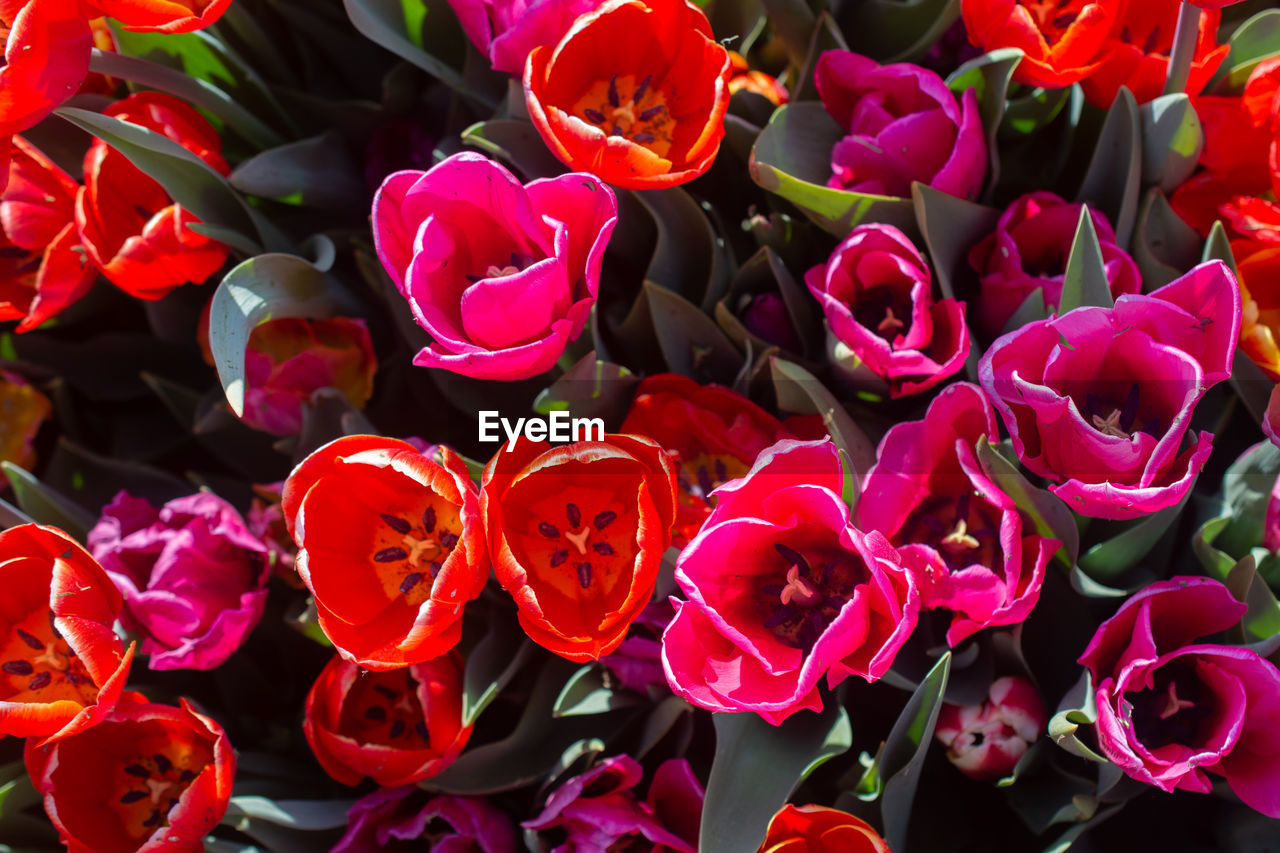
(985, 741)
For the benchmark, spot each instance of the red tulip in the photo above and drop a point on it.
(1061, 42)
(148, 779)
(128, 224)
(577, 534)
(46, 53)
(43, 268)
(397, 726)
(818, 829)
(162, 16)
(61, 665)
(645, 113)
(391, 547)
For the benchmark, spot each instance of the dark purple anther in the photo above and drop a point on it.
(594, 116)
(574, 514)
(641, 89)
(704, 480)
(40, 682)
(410, 581)
(428, 519)
(397, 728)
(584, 575)
(377, 713)
(602, 548)
(390, 555)
(604, 519)
(559, 557)
(448, 540)
(652, 112)
(133, 797)
(17, 667)
(722, 473)
(421, 728)
(644, 138)
(614, 101)
(163, 764)
(549, 530)
(30, 640)
(794, 558)
(138, 771)
(399, 525)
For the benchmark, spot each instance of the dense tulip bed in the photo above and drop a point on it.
(578, 426)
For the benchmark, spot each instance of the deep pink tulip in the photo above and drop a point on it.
(400, 820)
(601, 808)
(903, 125)
(877, 294)
(1028, 251)
(1099, 400)
(782, 590)
(930, 494)
(192, 575)
(508, 30)
(502, 275)
(1171, 708)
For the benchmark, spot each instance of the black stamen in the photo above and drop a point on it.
(421, 729)
(604, 519)
(153, 820)
(1152, 40)
(435, 567)
(186, 776)
(53, 626)
(163, 764)
(375, 712)
(574, 514)
(614, 101)
(722, 472)
(1064, 21)
(429, 519)
(390, 555)
(644, 138)
(40, 682)
(399, 525)
(77, 679)
(602, 548)
(652, 112)
(138, 771)
(559, 557)
(133, 797)
(793, 557)
(397, 728)
(549, 530)
(617, 131)
(594, 116)
(449, 540)
(584, 575)
(30, 640)
(410, 581)
(704, 480)
(385, 691)
(1129, 411)
(472, 278)
(780, 616)
(641, 89)
(17, 667)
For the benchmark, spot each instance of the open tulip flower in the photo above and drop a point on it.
(46, 51)
(1061, 42)
(148, 779)
(1099, 400)
(648, 112)
(577, 534)
(162, 16)
(396, 726)
(818, 829)
(389, 544)
(62, 667)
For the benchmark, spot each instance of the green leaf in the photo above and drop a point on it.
(590, 389)
(1114, 177)
(1072, 835)
(1172, 140)
(1262, 620)
(296, 814)
(1254, 41)
(264, 288)
(383, 22)
(1246, 494)
(826, 36)
(989, 77)
(586, 693)
(1032, 310)
(11, 516)
(897, 30)
(690, 258)
(187, 179)
(1079, 708)
(1085, 281)
(894, 774)
(801, 392)
(197, 92)
(1164, 246)
(1128, 542)
(1029, 113)
(1218, 247)
(691, 342)
(756, 768)
(766, 272)
(793, 22)
(792, 159)
(46, 505)
(1049, 514)
(316, 172)
(517, 144)
(491, 664)
(950, 226)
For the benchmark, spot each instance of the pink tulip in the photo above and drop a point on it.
(503, 276)
(1171, 708)
(783, 590)
(401, 820)
(192, 575)
(903, 125)
(508, 30)
(932, 496)
(876, 292)
(1099, 400)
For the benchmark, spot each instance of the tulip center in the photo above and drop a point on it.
(636, 112)
(1054, 17)
(964, 530)
(411, 547)
(37, 665)
(517, 263)
(579, 546)
(154, 783)
(807, 592)
(1173, 709)
(1117, 421)
(700, 475)
(886, 310)
(383, 708)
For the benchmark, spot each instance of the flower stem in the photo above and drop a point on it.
(1184, 49)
